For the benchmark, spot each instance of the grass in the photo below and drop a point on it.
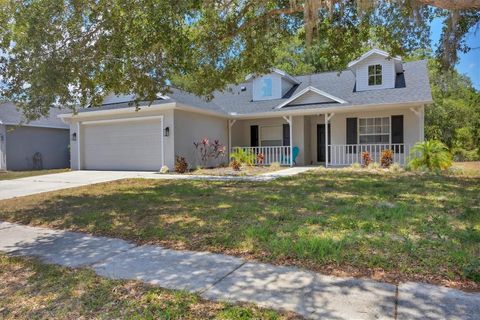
(467, 168)
(31, 290)
(385, 226)
(244, 171)
(8, 175)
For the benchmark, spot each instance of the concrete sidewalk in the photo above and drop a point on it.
(58, 181)
(221, 277)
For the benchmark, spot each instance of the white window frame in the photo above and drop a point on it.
(375, 75)
(260, 135)
(375, 134)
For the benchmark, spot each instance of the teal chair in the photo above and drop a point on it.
(295, 152)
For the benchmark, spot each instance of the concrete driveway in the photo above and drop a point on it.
(51, 182)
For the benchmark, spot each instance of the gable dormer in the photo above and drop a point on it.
(375, 70)
(273, 85)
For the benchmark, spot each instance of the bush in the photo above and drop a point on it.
(207, 151)
(164, 169)
(235, 165)
(366, 158)
(243, 157)
(275, 165)
(356, 165)
(460, 154)
(181, 165)
(260, 158)
(430, 155)
(387, 158)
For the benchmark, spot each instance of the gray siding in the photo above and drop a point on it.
(190, 127)
(23, 142)
(388, 73)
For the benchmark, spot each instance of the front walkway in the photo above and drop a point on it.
(221, 277)
(52, 182)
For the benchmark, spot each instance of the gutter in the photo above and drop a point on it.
(284, 112)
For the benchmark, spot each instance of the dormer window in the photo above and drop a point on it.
(375, 75)
(266, 87)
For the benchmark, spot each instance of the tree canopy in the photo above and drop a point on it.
(72, 53)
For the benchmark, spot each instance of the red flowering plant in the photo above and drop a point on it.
(260, 158)
(206, 150)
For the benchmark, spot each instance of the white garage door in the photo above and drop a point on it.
(122, 145)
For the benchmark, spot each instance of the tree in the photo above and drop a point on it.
(72, 53)
(432, 155)
(454, 117)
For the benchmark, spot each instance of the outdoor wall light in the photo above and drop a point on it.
(74, 136)
(167, 131)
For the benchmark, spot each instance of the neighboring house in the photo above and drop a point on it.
(378, 103)
(39, 144)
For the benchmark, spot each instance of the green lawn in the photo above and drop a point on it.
(31, 290)
(381, 225)
(7, 175)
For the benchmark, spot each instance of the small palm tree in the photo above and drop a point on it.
(243, 156)
(431, 154)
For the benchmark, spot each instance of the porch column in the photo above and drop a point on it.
(328, 116)
(419, 113)
(289, 121)
(230, 124)
(79, 149)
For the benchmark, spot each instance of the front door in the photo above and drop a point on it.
(321, 142)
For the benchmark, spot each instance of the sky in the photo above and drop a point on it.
(469, 62)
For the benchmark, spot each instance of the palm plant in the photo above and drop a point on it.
(431, 154)
(243, 156)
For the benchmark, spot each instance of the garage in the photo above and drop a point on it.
(122, 144)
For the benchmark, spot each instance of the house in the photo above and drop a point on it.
(377, 104)
(39, 144)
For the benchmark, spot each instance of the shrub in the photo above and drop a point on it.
(181, 164)
(431, 155)
(235, 165)
(366, 158)
(460, 154)
(387, 158)
(260, 158)
(206, 150)
(243, 157)
(275, 165)
(356, 165)
(164, 169)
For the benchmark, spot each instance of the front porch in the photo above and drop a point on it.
(302, 140)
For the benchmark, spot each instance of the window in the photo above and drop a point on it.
(271, 136)
(266, 87)
(374, 130)
(375, 75)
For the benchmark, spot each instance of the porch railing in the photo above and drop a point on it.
(347, 154)
(268, 155)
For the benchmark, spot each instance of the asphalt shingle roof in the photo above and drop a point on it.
(411, 86)
(10, 115)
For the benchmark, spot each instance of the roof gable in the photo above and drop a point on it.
(310, 95)
(372, 52)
